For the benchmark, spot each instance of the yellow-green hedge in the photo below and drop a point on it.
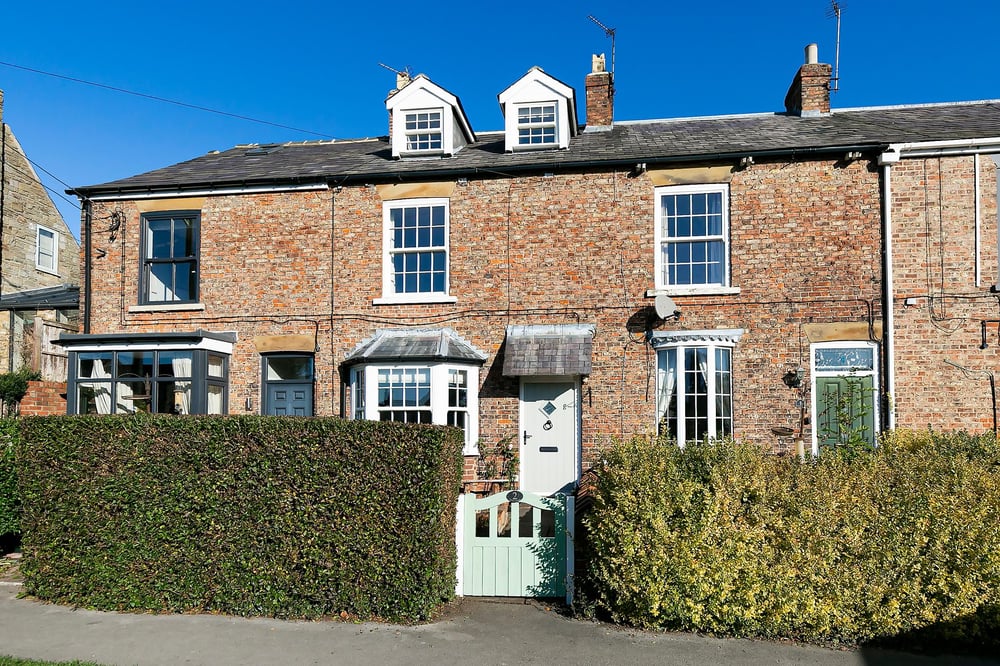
(723, 538)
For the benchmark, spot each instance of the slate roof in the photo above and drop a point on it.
(389, 345)
(654, 141)
(548, 349)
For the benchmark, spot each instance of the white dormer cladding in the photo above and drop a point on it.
(427, 120)
(539, 112)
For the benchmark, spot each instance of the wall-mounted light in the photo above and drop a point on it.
(745, 162)
(793, 378)
(852, 156)
(248, 404)
(463, 181)
(909, 301)
(638, 169)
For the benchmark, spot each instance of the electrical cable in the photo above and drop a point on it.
(156, 98)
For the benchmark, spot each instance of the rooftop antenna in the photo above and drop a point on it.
(835, 10)
(404, 73)
(610, 32)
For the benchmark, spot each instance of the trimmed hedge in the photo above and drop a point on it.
(726, 539)
(242, 515)
(10, 503)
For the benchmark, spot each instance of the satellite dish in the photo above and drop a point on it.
(665, 307)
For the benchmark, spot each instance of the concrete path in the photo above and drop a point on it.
(472, 631)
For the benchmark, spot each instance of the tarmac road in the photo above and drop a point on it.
(471, 631)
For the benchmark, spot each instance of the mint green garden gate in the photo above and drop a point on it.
(515, 544)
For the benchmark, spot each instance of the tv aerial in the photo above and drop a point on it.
(610, 32)
(835, 10)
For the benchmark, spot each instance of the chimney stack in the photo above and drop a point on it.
(809, 94)
(600, 95)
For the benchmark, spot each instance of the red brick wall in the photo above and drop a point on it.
(44, 399)
(934, 262)
(575, 248)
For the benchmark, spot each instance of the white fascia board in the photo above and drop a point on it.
(217, 191)
(210, 344)
(897, 151)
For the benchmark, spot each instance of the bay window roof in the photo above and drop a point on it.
(391, 345)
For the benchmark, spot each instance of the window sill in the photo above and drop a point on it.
(693, 291)
(47, 271)
(414, 299)
(168, 307)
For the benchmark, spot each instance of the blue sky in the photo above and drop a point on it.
(314, 66)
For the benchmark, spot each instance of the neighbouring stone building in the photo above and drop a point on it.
(39, 267)
(783, 278)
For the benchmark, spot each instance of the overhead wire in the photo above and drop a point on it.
(165, 100)
(11, 167)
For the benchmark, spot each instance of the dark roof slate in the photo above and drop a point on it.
(677, 140)
(548, 350)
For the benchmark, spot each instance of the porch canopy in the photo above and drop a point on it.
(548, 349)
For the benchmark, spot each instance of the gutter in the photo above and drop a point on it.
(332, 179)
(897, 151)
(149, 193)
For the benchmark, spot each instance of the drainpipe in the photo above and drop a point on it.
(88, 228)
(888, 292)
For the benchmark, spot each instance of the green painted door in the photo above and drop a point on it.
(515, 546)
(845, 408)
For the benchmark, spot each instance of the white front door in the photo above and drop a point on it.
(549, 440)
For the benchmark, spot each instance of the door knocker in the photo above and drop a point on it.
(547, 425)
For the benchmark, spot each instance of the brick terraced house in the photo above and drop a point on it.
(785, 278)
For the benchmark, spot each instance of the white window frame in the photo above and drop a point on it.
(677, 343)
(390, 295)
(54, 268)
(412, 134)
(816, 374)
(553, 124)
(662, 241)
(365, 388)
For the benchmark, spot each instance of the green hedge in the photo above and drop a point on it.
(240, 515)
(10, 504)
(726, 539)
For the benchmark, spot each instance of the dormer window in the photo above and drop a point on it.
(536, 125)
(539, 113)
(423, 131)
(426, 120)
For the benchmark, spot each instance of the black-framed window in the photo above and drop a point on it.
(161, 381)
(169, 259)
(289, 380)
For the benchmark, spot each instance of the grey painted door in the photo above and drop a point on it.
(549, 416)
